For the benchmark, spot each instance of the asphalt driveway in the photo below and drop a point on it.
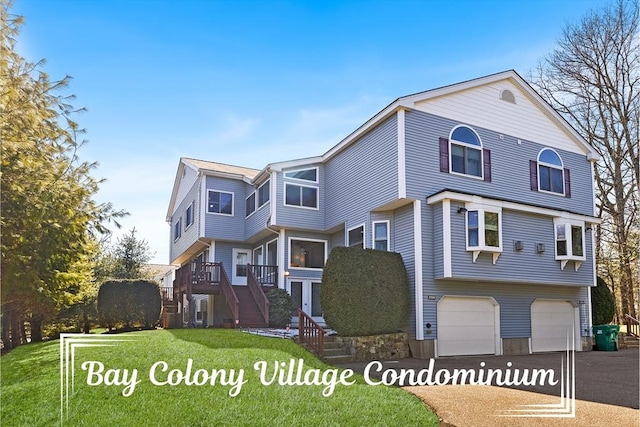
(610, 377)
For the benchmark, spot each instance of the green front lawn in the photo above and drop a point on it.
(30, 385)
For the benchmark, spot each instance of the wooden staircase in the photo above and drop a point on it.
(628, 341)
(250, 316)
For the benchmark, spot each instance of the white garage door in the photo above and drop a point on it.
(551, 321)
(467, 325)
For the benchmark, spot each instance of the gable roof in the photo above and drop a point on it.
(220, 168)
(410, 102)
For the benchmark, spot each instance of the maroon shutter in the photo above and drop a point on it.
(444, 155)
(533, 174)
(567, 183)
(486, 154)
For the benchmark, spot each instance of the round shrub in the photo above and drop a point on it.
(603, 306)
(281, 307)
(364, 291)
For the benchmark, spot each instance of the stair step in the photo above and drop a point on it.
(334, 360)
(335, 352)
(332, 345)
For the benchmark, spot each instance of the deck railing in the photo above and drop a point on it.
(167, 293)
(266, 275)
(258, 294)
(206, 272)
(633, 325)
(311, 333)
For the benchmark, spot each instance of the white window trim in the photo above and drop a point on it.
(258, 205)
(253, 254)
(193, 209)
(482, 247)
(564, 259)
(284, 196)
(284, 174)
(305, 239)
(552, 166)
(255, 203)
(177, 226)
(233, 199)
(266, 250)
(465, 144)
(373, 233)
(364, 233)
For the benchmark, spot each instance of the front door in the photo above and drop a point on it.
(305, 294)
(241, 258)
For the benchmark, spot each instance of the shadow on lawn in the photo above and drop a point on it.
(232, 339)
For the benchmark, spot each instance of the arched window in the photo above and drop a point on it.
(466, 151)
(550, 172)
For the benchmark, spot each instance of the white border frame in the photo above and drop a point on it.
(305, 239)
(192, 205)
(257, 191)
(467, 145)
(364, 235)
(255, 204)
(373, 233)
(233, 202)
(284, 174)
(284, 196)
(552, 166)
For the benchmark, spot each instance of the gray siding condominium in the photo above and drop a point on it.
(481, 186)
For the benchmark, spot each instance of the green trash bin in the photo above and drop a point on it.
(606, 337)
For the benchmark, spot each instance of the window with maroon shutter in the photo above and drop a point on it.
(551, 176)
(465, 153)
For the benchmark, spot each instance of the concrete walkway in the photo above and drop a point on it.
(607, 390)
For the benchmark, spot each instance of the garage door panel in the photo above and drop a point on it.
(466, 326)
(551, 321)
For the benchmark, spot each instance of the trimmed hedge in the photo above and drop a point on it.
(129, 303)
(603, 306)
(364, 291)
(281, 307)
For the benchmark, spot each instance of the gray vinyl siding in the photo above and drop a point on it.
(362, 177)
(515, 301)
(402, 242)
(509, 166)
(512, 265)
(300, 217)
(258, 219)
(436, 250)
(191, 234)
(226, 227)
(336, 239)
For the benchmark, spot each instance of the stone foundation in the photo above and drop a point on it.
(377, 347)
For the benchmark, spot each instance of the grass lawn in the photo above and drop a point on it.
(30, 386)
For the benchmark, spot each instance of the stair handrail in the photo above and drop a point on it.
(258, 294)
(311, 333)
(229, 294)
(633, 325)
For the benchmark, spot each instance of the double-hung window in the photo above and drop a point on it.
(381, 235)
(263, 193)
(466, 152)
(569, 238)
(188, 216)
(177, 229)
(220, 202)
(548, 174)
(250, 204)
(355, 236)
(484, 230)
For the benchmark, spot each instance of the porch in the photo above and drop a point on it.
(244, 305)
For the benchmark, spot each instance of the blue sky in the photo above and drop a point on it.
(254, 82)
